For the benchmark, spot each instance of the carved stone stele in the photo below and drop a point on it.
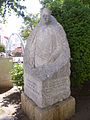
(47, 62)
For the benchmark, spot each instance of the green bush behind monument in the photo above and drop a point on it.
(75, 18)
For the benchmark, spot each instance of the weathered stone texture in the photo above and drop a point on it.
(47, 92)
(59, 111)
(6, 65)
(47, 63)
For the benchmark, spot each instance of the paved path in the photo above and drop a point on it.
(7, 110)
(10, 106)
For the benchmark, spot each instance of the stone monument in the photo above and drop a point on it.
(47, 71)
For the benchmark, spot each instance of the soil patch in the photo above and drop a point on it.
(82, 97)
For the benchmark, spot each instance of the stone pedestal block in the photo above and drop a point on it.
(47, 92)
(6, 65)
(59, 111)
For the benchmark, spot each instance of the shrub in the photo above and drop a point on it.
(75, 18)
(17, 75)
(2, 48)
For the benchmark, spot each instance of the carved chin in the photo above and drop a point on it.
(46, 21)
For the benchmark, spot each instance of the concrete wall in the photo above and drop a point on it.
(6, 65)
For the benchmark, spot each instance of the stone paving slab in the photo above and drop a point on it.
(10, 108)
(7, 111)
(4, 116)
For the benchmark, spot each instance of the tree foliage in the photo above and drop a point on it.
(30, 21)
(85, 2)
(75, 18)
(25, 32)
(49, 3)
(8, 5)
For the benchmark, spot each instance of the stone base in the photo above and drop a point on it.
(59, 111)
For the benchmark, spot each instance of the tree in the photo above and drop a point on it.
(8, 5)
(25, 32)
(30, 21)
(49, 3)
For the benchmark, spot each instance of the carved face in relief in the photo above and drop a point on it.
(45, 16)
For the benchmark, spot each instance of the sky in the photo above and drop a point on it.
(14, 23)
